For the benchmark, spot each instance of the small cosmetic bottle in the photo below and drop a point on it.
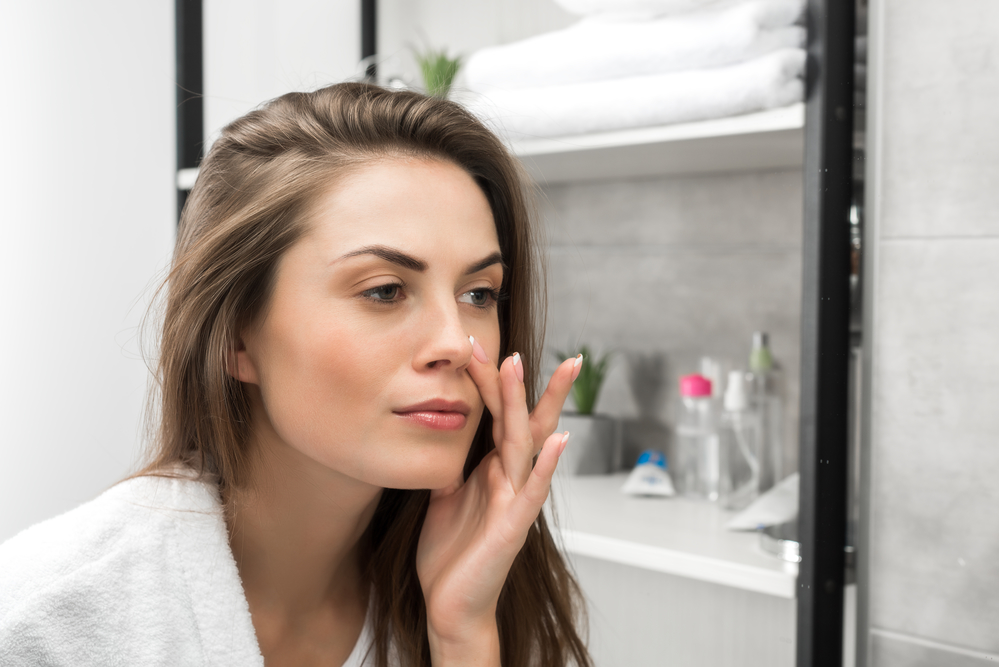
(697, 440)
(738, 444)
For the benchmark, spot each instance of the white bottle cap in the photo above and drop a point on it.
(735, 392)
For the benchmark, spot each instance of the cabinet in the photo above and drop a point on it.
(666, 583)
(668, 243)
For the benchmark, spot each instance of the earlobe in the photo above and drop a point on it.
(240, 366)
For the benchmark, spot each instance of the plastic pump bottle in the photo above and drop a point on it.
(738, 442)
(697, 440)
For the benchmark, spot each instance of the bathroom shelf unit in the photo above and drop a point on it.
(771, 139)
(677, 536)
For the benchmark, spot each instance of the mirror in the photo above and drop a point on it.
(664, 248)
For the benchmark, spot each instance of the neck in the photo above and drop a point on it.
(295, 532)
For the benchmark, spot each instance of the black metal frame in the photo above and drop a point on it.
(189, 53)
(825, 331)
(369, 35)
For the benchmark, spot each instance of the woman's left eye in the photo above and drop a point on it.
(480, 298)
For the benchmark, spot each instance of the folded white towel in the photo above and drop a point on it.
(594, 50)
(771, 81)
(143, 575)
(636, 8)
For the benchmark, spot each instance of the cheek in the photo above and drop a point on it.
(321, 385)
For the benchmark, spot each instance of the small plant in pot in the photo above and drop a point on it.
(591, 449)
(438, 70)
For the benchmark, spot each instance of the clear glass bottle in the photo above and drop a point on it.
(766, 401)
(697, 440)
(738, 444)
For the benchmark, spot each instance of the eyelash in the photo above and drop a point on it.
(494, 296)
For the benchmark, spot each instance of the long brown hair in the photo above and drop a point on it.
(248, 206)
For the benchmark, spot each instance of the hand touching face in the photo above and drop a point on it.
(359, 361)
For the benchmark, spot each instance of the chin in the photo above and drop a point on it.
(431, 468)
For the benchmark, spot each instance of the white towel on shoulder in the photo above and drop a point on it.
(596, 49)
(767, 82)
(143, 575)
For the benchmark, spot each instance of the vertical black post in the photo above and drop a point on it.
(825, 315)
(190, 88)
(369, 35)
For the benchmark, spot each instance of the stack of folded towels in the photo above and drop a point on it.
(641, 63)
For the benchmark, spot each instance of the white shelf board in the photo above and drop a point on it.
(771, 139)
(677, 536)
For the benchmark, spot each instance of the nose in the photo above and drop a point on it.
(443, 340)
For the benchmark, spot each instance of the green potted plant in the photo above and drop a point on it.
(438, 70)
(591, 448)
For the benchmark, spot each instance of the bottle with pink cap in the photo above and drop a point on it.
(697, 471)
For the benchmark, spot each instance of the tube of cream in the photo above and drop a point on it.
(649, 477)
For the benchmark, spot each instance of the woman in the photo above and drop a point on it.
(342, 462)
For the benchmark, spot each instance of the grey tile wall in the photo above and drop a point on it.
(940, 92)
(935, 460)
(933, 596)
(665, 270)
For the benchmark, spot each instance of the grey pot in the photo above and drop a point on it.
(591, 444)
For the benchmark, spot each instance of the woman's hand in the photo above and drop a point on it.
(474, 530)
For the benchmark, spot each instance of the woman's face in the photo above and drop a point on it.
(360, 355)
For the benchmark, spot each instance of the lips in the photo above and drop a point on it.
(437, 414)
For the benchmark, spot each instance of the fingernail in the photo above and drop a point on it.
(477, 351)
(577, 365)
(561, 447)
(519, 367)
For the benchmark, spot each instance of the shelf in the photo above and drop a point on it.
(771, 139)
(681, 537)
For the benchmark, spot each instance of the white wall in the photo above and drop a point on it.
(87, 220)
(259, 49)
(88, 211)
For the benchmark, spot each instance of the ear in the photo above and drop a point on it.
(239, 364)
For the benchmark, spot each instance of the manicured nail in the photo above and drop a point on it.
(577, 365)
(561, 447)
(519, 367)
(477, 351)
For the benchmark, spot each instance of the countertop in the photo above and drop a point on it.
(674, 535)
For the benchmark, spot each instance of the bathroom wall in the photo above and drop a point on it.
(88, 216)
(88, 190)
(661, 271)
(931, 574)
(259, 49)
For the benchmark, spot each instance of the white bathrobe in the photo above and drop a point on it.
(143, 575)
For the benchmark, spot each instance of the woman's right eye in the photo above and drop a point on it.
(383, 293)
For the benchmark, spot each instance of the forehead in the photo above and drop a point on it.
(428, 207)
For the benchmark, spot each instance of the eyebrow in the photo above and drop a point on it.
(413, 264)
